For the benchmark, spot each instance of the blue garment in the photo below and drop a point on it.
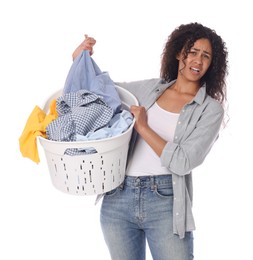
(90, 102)
(85, 74)
(117, 125)
(139, 209)
(79, 113)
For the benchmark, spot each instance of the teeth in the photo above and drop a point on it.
(195, 69)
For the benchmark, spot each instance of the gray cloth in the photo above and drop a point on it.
(197, 130)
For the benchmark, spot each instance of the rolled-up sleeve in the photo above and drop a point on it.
(197, 130)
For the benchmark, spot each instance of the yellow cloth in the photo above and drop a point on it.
(36, 126)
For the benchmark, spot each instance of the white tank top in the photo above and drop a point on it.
(144, 160)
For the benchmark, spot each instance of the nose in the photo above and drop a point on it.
(199, 59)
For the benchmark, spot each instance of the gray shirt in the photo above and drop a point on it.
(197, 129)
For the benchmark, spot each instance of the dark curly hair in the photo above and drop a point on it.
(183, 38)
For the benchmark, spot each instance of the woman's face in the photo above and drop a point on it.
(197, 62)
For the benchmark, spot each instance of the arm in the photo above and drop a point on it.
(183, 155)
(197, 139)
(152, 138)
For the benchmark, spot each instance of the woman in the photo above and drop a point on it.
(177, 123)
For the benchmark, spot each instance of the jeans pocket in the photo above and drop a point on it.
(164, 191)
(111, 192)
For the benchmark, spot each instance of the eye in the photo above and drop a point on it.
(206, 56)
(192, 53)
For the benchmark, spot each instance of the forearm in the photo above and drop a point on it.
(153, 140)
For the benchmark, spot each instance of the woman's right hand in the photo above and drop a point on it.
(87, 44)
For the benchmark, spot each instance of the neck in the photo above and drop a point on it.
(183, 87)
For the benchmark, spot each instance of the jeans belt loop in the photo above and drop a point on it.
(152, 182)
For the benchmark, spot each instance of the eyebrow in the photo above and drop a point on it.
(203, 51)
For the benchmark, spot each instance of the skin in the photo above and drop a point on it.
(87, 44)
(190, 71)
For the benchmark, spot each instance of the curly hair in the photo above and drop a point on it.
(183, 38)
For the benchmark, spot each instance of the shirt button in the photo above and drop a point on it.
(179, 122)
(177, 214)
(174, 182)
(175, 137)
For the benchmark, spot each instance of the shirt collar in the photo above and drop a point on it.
(199, 97)
(201, 94)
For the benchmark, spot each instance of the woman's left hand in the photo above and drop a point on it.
(140, 116)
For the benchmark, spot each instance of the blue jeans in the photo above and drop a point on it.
(140, 209)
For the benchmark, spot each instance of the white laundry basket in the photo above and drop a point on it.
(89, 174)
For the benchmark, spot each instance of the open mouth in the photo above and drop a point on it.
(195, 69)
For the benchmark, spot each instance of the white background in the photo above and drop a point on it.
(37, 40)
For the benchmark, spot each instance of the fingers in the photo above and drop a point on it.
(139, 113)
(89, 41)
(87, 44)
(136, 109)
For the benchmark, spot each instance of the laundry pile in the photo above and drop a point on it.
(88, 109)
